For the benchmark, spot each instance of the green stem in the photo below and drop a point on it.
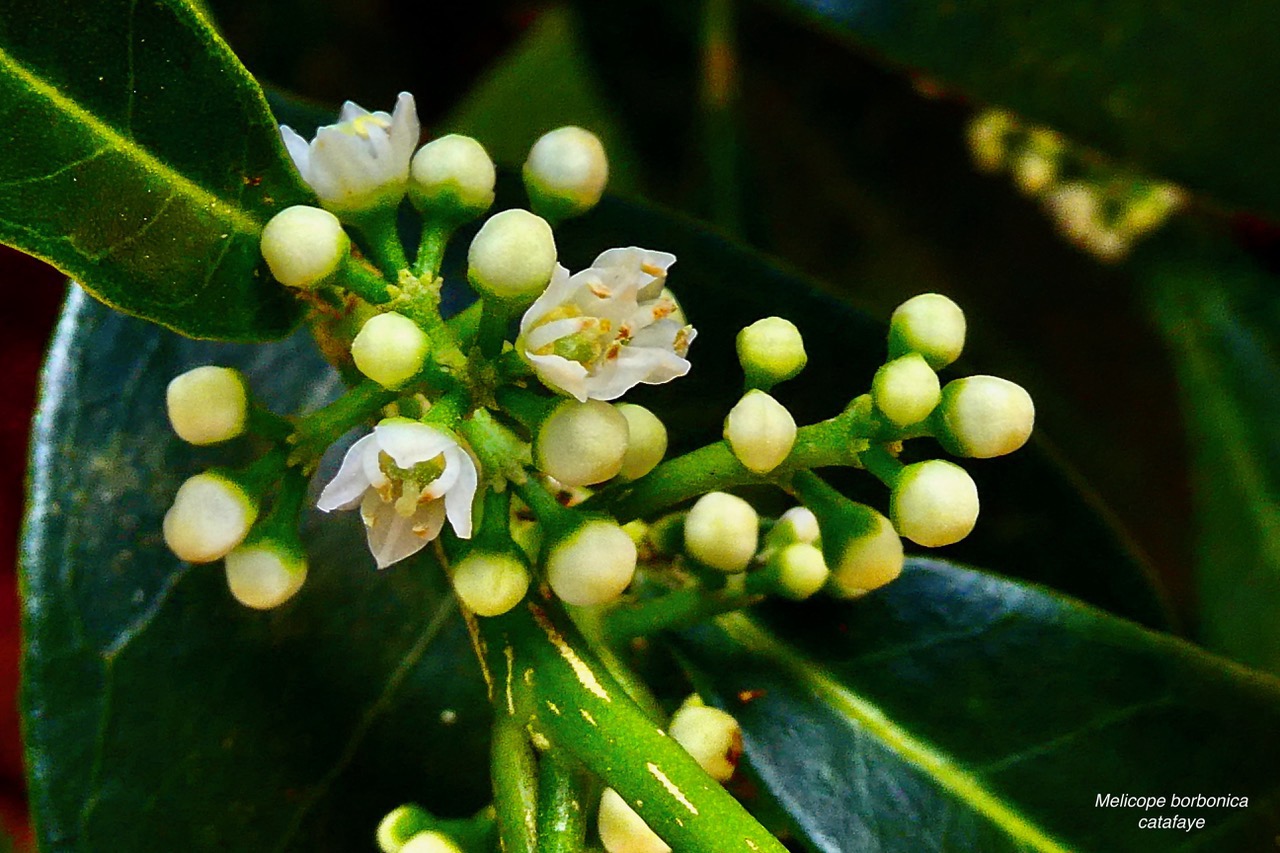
(681, 608)
(465, 325)
(578, 707)
(495, 319)
(562, 801)
(593, 625)
(431, 246)
(380, 240)
(515, 784)
(714, 467)
(364, 282)
(527, 408)
(266, 423)
(321, 428)
(883, 464)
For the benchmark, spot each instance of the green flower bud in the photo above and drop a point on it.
(622, 830)
(770, 351)
(930, 324)
(800, 570)
(400, 825)
(711, 736)
(760, 431)
(722, 531)
(646, 442)
(512, 257)
(207, 404)
(566, 172)
(581, 444)
(867, 556)
(211, 514)
(304, 246)
(490, 584)
(452, 177)
(593, 564)
(797, 524)
(265, 574)
(934, 503)
(984, 416)
(430, 842)
(906, 389)
(390, 349)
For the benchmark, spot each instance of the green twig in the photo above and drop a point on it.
(562, 801)
(515, 784)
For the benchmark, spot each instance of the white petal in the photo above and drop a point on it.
(405, 131)
(299, 149)
(350, 483)
(561, 374)
(458, 500)
(409, 443)
(440, 486)
(661, 365)
(351, 111)
(554, 331)
(629, 266)
(556, 294)
(391, 536)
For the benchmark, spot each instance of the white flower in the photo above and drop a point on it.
(362, 161)
(599, 333)
(406, 477)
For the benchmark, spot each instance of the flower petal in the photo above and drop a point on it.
(299, 149)
(350, 483)
(561, 374)
(556, 294)
(459, 499)
(391, 536)
(350, 112)
(409, 442)
(405, 131)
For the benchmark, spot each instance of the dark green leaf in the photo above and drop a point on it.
(141, 159)
(1176, 88)
(1221, 318)
(161, 715)
(953, 710)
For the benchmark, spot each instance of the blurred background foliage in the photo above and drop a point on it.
(832, 135)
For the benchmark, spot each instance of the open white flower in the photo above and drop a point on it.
(362, 161)
(600, 332)
(406, 477)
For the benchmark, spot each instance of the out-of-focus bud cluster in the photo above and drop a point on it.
(1097, 205)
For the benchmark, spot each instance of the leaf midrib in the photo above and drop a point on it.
(946, 773)
(114, 140)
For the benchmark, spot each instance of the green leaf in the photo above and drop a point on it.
(160, 715)
(1175, 88)
(954, 710)
(141, 159)
(1221, 318)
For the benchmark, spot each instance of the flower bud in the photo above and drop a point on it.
(930, 324)
(490, 584)
(799, 571)
(770, 351)
(760, 431)
(906, 389)
(210, 516)
(400, 825)
(452, 177)
(1034, 171)
(867, 556)
(593, 564)
(265, 574)
(430, 842)
(622, 830)
(512, 257)
(581, 444)
(303, 246)
(984, 416)
(711, 736)
(207, 404)
(722, 531)
(390, 349)
(566, 172)
(797, 524)
(934, 503)
(646, 441)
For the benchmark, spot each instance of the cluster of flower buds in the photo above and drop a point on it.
(714, 739)
(1096, 205)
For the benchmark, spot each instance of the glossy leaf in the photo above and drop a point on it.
(160, 714)
(954, 710)
(1221, 319)
(1175, 88)
(141, 160)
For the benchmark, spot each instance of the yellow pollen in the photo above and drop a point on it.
(599, 290)
(652, 270)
